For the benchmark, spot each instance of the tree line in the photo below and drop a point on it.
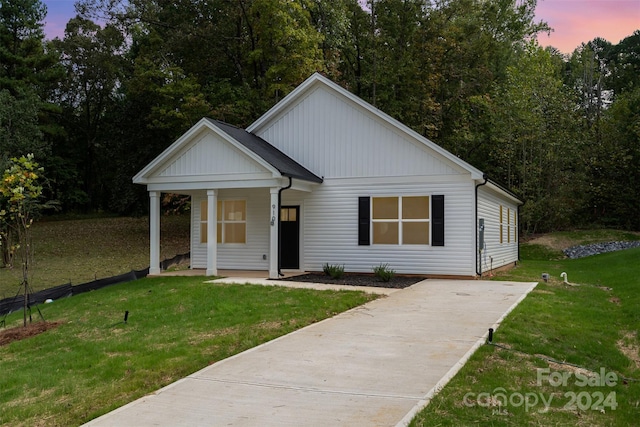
(130, 76)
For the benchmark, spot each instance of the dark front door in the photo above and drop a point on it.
(290, 237)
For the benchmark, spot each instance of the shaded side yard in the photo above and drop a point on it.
(81, 250)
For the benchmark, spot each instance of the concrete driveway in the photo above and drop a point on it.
(375, 365)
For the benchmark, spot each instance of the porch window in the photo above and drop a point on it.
(402, 220)
(231, 221)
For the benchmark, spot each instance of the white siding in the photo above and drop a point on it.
(489, 208)
(236, 256)
(330, 229)
(209, 154)
(334, 138)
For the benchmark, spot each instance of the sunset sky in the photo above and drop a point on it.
(573, 21)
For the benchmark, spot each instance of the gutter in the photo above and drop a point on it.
(479, 269)
(279, 223)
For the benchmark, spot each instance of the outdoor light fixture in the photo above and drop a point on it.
(545, 277)
(490, 339)
(126, 316)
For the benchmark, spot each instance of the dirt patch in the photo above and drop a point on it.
(16, 334)
(396, 282)
(629, 346)
(552, 242)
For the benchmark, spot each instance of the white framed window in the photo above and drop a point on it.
(501, 224)
(401, 220)
(508, 225)
(231, 221)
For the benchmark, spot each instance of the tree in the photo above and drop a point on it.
(613, 166)
(286, 47)
(21, 191)
(21, 47)
(18, 132)
(469, 45)
(537, 142)
(28, 73)
(91, 57)
(623, 65)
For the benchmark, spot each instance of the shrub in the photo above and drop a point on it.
(384, 272)
(334, 271)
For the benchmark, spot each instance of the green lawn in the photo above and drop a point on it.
(594, 325)
(81, 250)
(93, 362)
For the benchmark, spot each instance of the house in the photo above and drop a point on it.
(324, 177)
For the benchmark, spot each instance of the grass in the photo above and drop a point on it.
(593, 323)
(81, 250)
(93, 362)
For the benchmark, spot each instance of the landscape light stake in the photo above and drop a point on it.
(490, 338)
(126, 316)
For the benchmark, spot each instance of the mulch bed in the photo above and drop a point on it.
(396, 282)
(19, 333)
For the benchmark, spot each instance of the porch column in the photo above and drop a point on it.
(154, 232)
(273, 234)
(212, 233)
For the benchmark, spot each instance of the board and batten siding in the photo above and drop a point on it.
(209, 155)
(248, 256)
(504, 253)
(335, 138)
(330, 229)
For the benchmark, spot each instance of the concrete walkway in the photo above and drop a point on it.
(375, 365)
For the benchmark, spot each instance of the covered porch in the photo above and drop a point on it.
(218, 164)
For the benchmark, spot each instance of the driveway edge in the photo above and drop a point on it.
(454, 370)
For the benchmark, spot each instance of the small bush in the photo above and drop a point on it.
(384, 272)
(334, 271)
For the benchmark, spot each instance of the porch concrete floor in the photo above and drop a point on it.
(253, 274)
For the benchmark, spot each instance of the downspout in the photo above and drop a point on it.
(518, 231)
(478, 269)
(279, 223)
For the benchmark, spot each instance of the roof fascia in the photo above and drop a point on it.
(503, 191)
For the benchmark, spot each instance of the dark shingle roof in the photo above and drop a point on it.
(276, 158)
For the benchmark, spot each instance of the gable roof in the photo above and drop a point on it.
(276, 158)
(317, 79)
(252, 145)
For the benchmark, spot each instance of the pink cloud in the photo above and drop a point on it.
(580, 21)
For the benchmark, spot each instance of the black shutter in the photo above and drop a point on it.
(437, 220)
(364, 207)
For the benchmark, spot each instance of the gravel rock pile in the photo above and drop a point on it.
(598, 248)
